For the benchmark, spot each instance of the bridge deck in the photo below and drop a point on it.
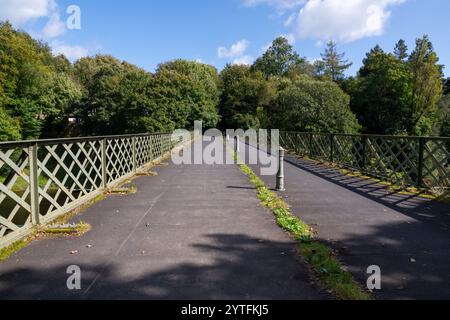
(405, 235)
(192, 232)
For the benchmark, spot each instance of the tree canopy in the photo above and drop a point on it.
(393, 93)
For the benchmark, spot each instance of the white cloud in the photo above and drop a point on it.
(55, 27)
(340, 20)
(344, 21)
(236, 50)
(244, 60)
(21, 11)
(71, 52)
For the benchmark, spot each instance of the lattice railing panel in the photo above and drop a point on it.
(42, 179)
(436, 164)
(15, 206)
(119, 154)
(67, 173)
(395, 159)
(407, 160)
(348, 151)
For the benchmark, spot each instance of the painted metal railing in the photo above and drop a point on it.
(413, 161)
(43, 179)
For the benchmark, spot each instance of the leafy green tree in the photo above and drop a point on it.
(426, 86)
(189, 91)
(279, 58)
(244, 97)
(395, 95)
(333, 64)
(311, 105)
(32, 81)
(9, 127)
(382, 93)
(401, 50)
(446, 89)
(117, 98)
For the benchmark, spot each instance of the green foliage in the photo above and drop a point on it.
(401, 50)
(244, 95)
(189, 91)
(426, 86)
(9, 127)
(34, 87)
(311, 105)
(333, 64)
(117, 98)
(381, 96)
(395, 95)
(278, 59)
(392, 93)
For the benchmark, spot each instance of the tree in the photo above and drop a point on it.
(333, 64)
(34, 85)
(311, 105)
(279, 58)
(189, 91)
(381, 94)
(244, 97)
(9, 127)
(401, 50)
(117, 98)
(446, 89)
(426, 86)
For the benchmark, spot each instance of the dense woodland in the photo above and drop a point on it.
(400, 92)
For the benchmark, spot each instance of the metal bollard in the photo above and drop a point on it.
(280, 174)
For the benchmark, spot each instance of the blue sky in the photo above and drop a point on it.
(147, 33)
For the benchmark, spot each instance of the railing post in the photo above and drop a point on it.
(133, 141)
(34, 184)
(331, 148)
(420, 164)
(104, 166)
(364, 150)
(280, 174)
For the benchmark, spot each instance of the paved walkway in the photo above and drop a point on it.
(407, 236)
(192, 232)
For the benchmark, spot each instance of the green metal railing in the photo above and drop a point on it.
(43, 179)
(414, 161)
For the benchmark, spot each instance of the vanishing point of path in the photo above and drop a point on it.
(192, 232)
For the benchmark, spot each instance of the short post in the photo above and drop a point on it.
(280, 174)
(34, 184)
(364, 155)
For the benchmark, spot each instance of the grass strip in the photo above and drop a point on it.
(44, 232)
(321, 259)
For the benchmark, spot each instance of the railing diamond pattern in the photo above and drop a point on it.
(420, 161)
(40, 180)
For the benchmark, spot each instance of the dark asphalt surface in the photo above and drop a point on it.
(407, 236)
(192, 232)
